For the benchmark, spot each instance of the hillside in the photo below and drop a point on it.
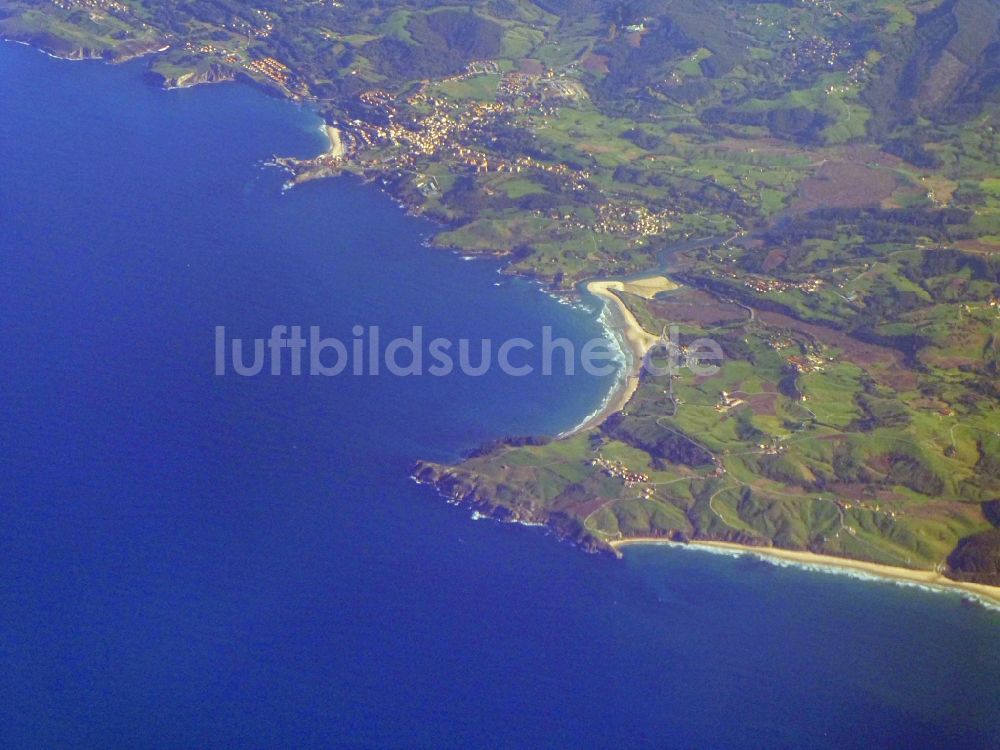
(819, 176)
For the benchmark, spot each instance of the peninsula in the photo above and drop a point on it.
(817, 180)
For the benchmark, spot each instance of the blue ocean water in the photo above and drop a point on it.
(195, 561)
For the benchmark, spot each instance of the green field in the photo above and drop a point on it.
(824, 175)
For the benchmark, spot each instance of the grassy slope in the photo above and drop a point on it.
(829, 140)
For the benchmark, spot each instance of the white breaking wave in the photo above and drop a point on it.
(856, 574)
(622, 356)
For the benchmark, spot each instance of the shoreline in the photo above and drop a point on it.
(989, 595)
(337, 149)
(625, 326)
(622, 324)
(85, 54)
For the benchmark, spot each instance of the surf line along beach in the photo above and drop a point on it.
(930, 579)
(638, 341)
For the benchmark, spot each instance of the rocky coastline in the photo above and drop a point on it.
(460, 489)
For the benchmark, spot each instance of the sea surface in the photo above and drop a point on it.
(189, 560)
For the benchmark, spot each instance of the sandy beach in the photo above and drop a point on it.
(337, 149)
(639, 342)
(637, 338)
(989, 594)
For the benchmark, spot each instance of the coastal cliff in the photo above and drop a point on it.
(502, 503)
(213, 73)
(65, 49)
(508, 504)
(855, 410)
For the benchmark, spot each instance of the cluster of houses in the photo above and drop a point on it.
(475, 68)
(856, 74)
(615, 218)
(208, 48)
(816, 50)
(847, 504)
(378, 98)
(278, 72)
(727, 402)
(779, 342)
(446, 128)
(763, 285)
(536, 87)
(108, 6)
(618, 470)
(259, 32)
(805, 363)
